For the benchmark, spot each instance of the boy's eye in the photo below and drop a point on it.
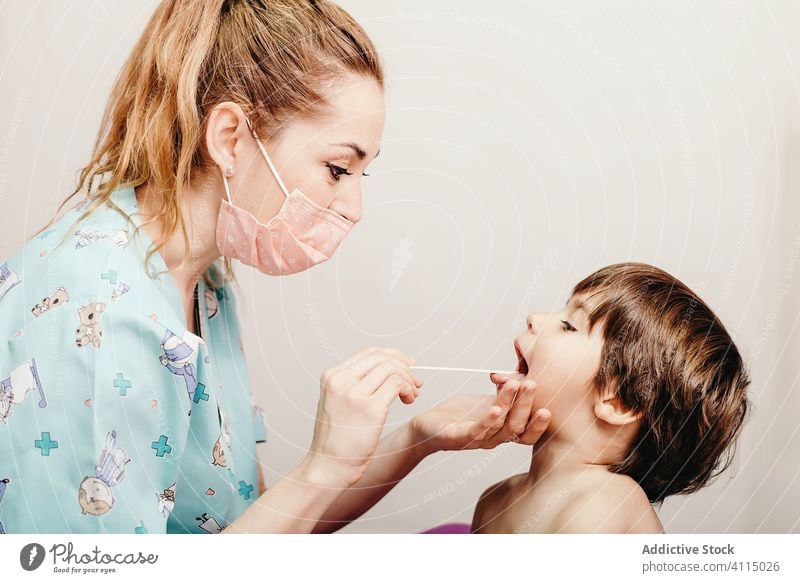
(337, 171)
(568, 327)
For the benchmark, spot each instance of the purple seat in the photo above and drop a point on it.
(448, 528)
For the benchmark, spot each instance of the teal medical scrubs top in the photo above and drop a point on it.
(114, 417)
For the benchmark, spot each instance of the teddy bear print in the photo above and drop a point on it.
(59, 297)
(90, 331)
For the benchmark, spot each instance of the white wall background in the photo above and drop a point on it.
(527, 143)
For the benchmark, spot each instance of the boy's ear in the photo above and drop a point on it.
(609, 407)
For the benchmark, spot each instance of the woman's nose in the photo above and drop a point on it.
(349, 204)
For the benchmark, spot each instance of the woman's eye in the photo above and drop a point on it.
(337, 171)
(568, 327)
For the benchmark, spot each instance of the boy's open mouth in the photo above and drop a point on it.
(522, 364)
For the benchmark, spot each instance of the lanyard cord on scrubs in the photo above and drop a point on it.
(196, 313)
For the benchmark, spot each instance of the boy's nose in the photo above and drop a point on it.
(532, 323)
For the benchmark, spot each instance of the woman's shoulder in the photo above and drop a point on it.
(74, 259)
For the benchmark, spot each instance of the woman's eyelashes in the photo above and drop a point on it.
(337, 171)
(568, 327)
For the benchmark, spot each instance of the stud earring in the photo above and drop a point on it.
(229, 171)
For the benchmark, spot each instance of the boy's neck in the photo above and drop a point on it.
(553, 456)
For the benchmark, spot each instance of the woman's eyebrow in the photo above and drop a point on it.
(360, 152)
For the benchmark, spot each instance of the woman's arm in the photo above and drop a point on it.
(397, 454)
(354, 402)
(460, 422)
(293, 505)
(261, 486)
(307, 499)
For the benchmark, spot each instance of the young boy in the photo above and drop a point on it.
(647, 394)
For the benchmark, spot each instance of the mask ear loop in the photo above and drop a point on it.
(227, 188)
(269, 162)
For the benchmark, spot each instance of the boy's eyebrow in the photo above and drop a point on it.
(579, 305)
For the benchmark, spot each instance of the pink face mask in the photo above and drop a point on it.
(300, 236)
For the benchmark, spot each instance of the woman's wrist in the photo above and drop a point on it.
(422, 444)
(294, 504)
(315, 470)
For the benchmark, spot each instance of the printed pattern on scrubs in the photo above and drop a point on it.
(114, 417)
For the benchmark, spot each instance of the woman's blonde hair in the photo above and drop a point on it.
(269, 56)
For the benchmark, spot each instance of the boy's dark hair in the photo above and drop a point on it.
(671, 359)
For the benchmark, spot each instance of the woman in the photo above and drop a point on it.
(236, 130)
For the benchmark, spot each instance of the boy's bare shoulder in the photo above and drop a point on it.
(613, 503)
(491, 502)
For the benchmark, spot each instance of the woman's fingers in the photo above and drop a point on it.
(361, 367)
(390, 352)
(355, 377)
(537, 426)
(504, 401)
(520, 413)
(499, 378)
(481, 426)
(390, 388)
(373, 381)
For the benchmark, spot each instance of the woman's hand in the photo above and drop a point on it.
(483, 421)
(354, 402)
